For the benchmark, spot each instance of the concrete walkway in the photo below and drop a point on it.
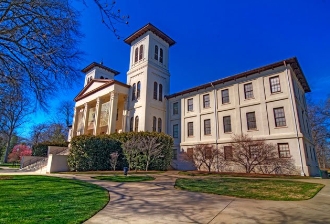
(159, 202)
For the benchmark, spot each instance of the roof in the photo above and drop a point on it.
(95, 64)
(293, 62)
(152, 28)
(106, 82)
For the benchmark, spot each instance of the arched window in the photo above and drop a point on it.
(159, 125)
(136, 54)
(156, 52)
(138, 90)
(141, 52)
(155, 90)
(136, 128)
(161, 55)
(101, 77)
(133, 91)
(154, 123)
(131, 124)
(160, 92)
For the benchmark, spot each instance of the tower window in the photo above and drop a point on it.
(155, 90)
(136, 128)
(141, 52)
(159, 125)
(136, 54)
(160, 92)
(133, 91)
(154, 123)
(101, 77)
(131, 124)
(156, 53)
(138, 91)
(161, 55)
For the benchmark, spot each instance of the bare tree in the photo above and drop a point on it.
(150, 149)
(114, 159)
(65, 112)
(14, 109)
(133, 152)
(256, 154)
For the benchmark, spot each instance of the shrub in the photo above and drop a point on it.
(89, 152)
(41, 149)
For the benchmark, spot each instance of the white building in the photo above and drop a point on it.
(267, 102)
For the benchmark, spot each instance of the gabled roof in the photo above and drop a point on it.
(152, 28)
(82, 94)
(293, 62)
(95, 64)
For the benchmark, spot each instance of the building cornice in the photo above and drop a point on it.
(95, 64)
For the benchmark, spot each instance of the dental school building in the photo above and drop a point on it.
(266, 102)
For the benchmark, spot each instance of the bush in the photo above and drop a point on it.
(89, 152)
(41, 149)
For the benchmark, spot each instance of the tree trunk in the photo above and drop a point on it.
(5, 159)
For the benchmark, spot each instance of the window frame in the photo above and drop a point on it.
(134, 91)
(286, 151)
(159, 125)
(141, 52)
(275, 87)
(206, 101)
(161, 55)
(175, 131)
(131, 124)
(156, 53)
(228, 150)
(190, 129)
(248, 92)
(226, 125)
(249, 122)
(136, 124)
(190, 104)
(155, 90)
(160, 92)
(175, 108)
(207, 127)
(225, 98)
(136, 56)
(280, 121)
(154, 123)
(138, 90)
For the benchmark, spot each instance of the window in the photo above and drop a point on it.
(190, 129)
(136, 54)
(228, 152)
(141, 52)
(251, 121)
(248, 91)
(160, 95)
(226, 124)
(190, 152)
(190, 105)
(156, 52)
(175, 131)
(133, 91)
(155, 90)
(225, 96)
(136, 128)
(131, 124)
(279, 117)
(175, 108)
(206, 101)
(275, 85)
(101, 77)
(117, 114)
(159, 125)
(207, 127)
(138, 92)
(253, 151)
(283, 150)
(175, 154)
(161, 55)
(154, 121)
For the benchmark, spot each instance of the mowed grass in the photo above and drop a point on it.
(43, 199)
(11, 165)
(262, 189)
(122, 178)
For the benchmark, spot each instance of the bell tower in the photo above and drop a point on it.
(149, 78)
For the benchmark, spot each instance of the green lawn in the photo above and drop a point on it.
(263, 189)
(43, 199)
(122, 178)
(11, 165)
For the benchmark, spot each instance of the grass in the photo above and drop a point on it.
(122, 178)
(43, 199)
(231, 174)
(263, 189)
(11, 165)
(108, 172)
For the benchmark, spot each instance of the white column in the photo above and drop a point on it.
(74, 123)
(112, 112)
(125, 114)
(97, 116)
(85, 118)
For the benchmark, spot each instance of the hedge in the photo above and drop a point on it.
(90, 152)
(41, 149)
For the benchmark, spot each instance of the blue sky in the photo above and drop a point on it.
(215, 39)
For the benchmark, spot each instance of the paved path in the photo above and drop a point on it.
(159, 202)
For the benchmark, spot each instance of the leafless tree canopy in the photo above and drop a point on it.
(65, 112)
(114, 159)
(38, 44)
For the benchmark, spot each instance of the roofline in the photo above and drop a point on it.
(108, 83)
(95, 64)
(146, 28)
(293, 62)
